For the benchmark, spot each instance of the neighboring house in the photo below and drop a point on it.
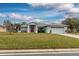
(41, 27)
(2, 28)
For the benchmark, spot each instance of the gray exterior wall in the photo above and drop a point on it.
(47, 29)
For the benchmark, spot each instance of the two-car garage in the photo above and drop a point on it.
(56, 28)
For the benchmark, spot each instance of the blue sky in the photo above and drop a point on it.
(38, 12)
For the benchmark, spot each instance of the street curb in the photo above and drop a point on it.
(39, 50)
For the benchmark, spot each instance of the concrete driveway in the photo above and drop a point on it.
(71, 35)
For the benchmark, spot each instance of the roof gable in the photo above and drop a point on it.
(32, 23)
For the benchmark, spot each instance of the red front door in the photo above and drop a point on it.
(32, 28)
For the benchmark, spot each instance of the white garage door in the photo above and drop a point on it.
(57, 30)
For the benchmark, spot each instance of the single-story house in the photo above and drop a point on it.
(41, 27)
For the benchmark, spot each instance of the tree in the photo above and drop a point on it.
(8, 25)
(17, 27)
(73, 24)
(23, 23)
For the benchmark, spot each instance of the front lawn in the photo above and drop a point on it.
(36, 41)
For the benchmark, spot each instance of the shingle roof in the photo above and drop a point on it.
(41, 24)
(57, 25)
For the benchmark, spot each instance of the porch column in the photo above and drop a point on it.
(28, 29)
(36, 30)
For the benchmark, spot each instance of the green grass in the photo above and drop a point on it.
(36, 41)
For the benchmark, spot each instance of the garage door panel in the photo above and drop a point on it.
(57, 30)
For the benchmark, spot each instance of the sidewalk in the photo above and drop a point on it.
(39, 50)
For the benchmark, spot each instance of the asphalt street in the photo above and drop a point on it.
(70, 53)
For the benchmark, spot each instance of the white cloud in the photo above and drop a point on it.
(74, 10)
(2, 15)
(53, 5)
(47, 5)
(24, 17)
(14, 15)
(59, 21)
(27, 17)
(66, 6)
(54, 9)
(69, 7)
(17, 16)
(38, 20)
